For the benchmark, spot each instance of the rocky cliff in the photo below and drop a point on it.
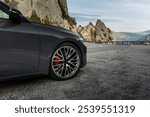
(55, 12)
(98, 33)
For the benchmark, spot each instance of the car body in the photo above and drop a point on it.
(28, 48)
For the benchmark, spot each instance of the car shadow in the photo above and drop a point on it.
(23, 80)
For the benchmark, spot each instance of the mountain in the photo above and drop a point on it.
(144, 32)
(127, 36)
(145, 38)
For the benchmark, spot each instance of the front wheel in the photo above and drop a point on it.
(65, 62)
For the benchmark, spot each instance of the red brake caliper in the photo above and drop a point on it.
(57, 59)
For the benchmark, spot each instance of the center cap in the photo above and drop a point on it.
(65, 61)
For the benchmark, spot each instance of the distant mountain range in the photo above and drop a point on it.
(127, 36)
(145, 38)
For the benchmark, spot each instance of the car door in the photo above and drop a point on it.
(19, 47)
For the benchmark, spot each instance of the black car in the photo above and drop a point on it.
(28, 48)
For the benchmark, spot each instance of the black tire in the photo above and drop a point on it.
(65, 62)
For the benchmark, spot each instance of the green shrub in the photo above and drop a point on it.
(34, 17)
(65, 15)
(7, 1)
(46, 20)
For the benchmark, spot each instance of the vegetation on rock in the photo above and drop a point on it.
(34, 17)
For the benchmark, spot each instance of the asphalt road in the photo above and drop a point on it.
(113, 72)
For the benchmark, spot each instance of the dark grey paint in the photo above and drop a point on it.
(26, 48)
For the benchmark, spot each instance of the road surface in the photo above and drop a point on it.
(113, 72)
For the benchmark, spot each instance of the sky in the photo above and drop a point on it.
(118, 15)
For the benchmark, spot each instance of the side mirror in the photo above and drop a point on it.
(15, 16)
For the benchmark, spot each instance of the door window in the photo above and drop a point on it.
(3, 15)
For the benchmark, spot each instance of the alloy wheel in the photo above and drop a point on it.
(65, 62)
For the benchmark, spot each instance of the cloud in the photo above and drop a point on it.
(114, 12)
(90, 17)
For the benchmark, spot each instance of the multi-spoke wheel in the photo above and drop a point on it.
(65, 62)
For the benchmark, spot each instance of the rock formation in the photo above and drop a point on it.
(53, 12)
(98, 33)
(87, 32)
